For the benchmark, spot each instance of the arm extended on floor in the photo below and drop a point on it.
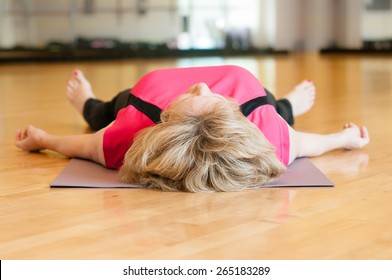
(86, 146)
(304, 144)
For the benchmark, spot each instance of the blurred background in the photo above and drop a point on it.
(77, 29)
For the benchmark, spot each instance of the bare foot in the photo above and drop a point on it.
(79, 90)
(302, 97)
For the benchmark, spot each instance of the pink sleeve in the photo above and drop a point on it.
(120, 135)
(275, 130)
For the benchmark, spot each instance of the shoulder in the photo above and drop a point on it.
(119, 136)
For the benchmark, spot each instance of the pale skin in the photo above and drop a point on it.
(199, 97)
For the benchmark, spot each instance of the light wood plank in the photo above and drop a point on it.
(350, 221)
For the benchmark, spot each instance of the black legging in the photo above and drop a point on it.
(99, 114)
(282, 106)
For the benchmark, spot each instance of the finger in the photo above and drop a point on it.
(364, 133)
(364, 137)
(28, 131)
(25, 134)
(18, 134)
(19, 139)
(349, 125)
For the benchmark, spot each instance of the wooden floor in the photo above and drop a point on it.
(350, 221)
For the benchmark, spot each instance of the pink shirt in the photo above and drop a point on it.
(161, 87)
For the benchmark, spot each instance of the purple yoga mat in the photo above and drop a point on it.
(81, 173)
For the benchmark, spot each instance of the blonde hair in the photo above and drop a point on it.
(218, 150)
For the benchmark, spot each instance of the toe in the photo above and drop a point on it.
(79, 76)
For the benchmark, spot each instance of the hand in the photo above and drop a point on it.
(31, 139)
(355, 137)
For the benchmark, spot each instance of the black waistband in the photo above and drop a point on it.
(153, 112)
(248, 107)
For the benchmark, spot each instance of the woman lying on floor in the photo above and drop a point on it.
(193, 129)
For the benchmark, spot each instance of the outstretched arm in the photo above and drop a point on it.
(86, 146)
(311, 145)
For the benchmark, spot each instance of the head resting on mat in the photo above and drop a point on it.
(204, 143)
